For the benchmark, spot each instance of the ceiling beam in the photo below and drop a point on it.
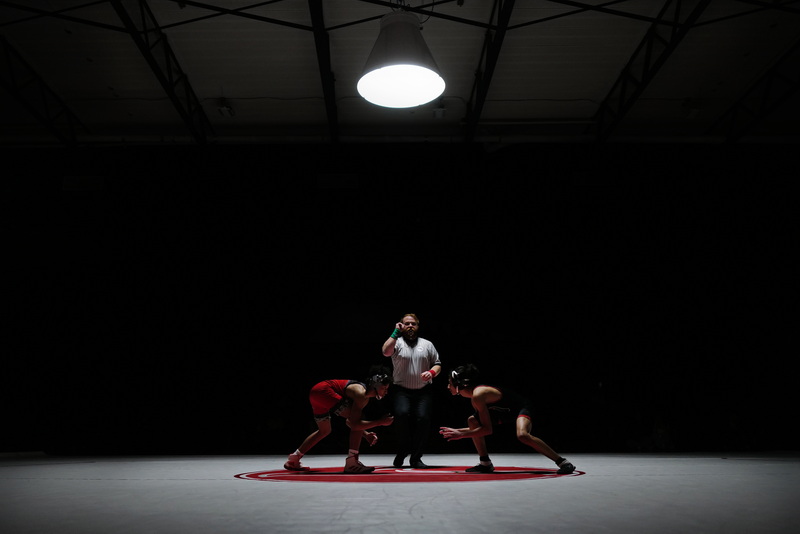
(28, 88)
(322, 42)
(483, 76)
(153, 44)
(577, 11)
(777, 85)
(763, 6)
(660, 41)
(238, 12)
(423, 10)
(58, 14)
(602, 8)
(781, 5)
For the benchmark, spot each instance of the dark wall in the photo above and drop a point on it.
(184, 299)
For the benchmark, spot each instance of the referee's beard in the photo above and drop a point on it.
(410, 336)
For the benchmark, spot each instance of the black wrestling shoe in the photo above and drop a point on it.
(398, 460)
(565, 468)
(480, 468)
(418, 465)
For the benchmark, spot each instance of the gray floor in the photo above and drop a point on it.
(619, 493)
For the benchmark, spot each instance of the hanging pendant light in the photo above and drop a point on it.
(400, 71)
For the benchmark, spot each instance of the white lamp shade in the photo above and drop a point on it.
(400, 71)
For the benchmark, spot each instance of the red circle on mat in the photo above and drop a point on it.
(392, 474)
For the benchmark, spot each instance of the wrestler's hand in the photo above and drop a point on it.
(371, 438)
(386, 420)
(450, 434)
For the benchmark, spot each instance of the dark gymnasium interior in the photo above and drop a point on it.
(185, 259)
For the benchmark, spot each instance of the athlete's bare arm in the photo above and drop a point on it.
(357, 392)
(480, 396)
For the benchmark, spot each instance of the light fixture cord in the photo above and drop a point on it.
(402, 5)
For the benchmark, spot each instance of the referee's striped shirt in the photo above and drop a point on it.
(410, 362)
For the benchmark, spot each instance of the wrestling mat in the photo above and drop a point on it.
(393, 474)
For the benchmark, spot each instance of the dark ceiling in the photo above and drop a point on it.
(155, 72)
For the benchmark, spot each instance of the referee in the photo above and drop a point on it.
(416, 363)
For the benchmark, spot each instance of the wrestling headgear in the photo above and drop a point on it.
(464, 376)
(378, 379)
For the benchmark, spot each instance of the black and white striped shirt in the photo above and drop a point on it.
(410, 362)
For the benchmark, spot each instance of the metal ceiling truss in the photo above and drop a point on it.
(777, 85)
(663, 36)
(60, 14)
(428, 10)
(603, 8)
(25, 84)
(492, 44)
(780, 5)
(240, 12)
(777, 5)
(152, 43)
(322, 42)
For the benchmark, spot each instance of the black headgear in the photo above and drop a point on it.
(464, 376)
(374, 380)
(459, 379)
